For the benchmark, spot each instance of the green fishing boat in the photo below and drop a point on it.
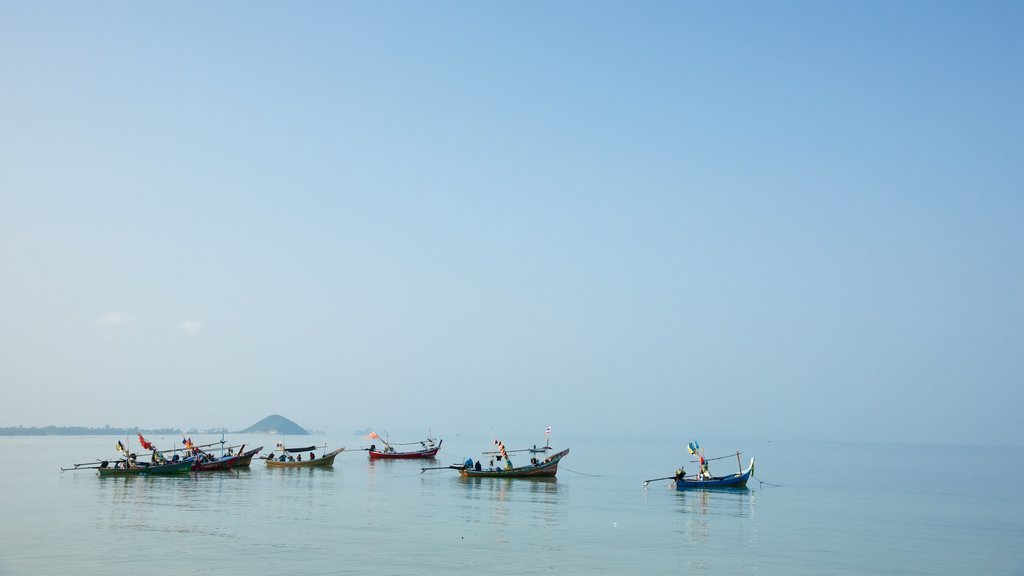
(123, 468)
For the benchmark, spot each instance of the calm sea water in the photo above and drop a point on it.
(839, 509)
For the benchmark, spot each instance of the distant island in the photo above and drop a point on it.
(275, 424)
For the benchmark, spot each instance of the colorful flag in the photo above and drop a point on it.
(548, 431)
(372, 435)
(120, 448)
(145, 445)
(501, 448)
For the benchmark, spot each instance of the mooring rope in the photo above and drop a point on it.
(763, 483)
(733, 455)
(582, 473)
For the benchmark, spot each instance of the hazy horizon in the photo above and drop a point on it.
(793, 220)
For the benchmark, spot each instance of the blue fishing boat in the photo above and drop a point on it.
(703, 478)
(738, 480)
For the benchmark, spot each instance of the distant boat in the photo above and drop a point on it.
(426, 453)
(389, 453)
(323, 461)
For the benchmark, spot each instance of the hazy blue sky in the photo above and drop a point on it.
(749, 219)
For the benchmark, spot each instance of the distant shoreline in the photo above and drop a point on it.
(103, 431)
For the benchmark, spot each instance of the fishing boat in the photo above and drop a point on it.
(206, 462)
(703, 478)
(546, 468)
(428, 450)
(323, 461)
(738, 480)
(129, 465)
(242, 458)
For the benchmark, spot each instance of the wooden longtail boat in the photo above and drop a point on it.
(128, 464)
(389, 453)
(182, 467)
(738, 480)
(703, 478)
(324, 461)
(544, 469)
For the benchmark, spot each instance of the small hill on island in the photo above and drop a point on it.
(275, 424)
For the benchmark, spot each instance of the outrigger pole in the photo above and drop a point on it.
(718, 458)
(449, 467)
(84, 466)
(493, 452)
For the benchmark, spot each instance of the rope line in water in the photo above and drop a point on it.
(763, 483)
(581, 473)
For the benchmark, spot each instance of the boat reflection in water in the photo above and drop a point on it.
(737, 503)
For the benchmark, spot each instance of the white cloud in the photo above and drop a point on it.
(191, 326)
(115, 318)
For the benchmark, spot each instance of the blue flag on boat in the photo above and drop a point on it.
(693, 446)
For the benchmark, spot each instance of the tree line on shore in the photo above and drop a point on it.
(105, 430)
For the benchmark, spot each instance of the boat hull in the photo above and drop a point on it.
(223, 463)
(245, 459)
(324, 461)
(173, 468)
(417, 455)
(545, 469)
(731, 481)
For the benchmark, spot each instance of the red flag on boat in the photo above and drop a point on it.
(372, 435)
(145, 445)
(501, 449)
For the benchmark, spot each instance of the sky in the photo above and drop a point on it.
(773, 220)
